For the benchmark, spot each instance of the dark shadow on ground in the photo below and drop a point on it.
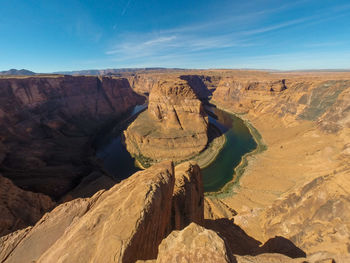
(242, 244)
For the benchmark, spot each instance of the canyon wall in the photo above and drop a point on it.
(46, 129)
(173, 128)
(297, 187)
(46, 124)
(19, 208)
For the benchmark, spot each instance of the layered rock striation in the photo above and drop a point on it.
(123, 224)
(297, 187)
(19, 208)
(173, 128)
(46, 126)
(188, 196)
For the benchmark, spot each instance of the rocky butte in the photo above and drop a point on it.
(174, 127)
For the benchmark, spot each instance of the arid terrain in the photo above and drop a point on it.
(290, 202)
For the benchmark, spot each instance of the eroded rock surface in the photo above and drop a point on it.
(193, 244)
(173, 128)
(297, 187)
(122, 224)
(46, 124)
(19, 208)
(188, 196)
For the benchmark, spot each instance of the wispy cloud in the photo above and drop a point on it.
(325, 44)
(126, 7)
(159, 40)
(276, 26)
(227, 36)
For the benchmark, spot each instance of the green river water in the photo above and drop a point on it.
(239, 141)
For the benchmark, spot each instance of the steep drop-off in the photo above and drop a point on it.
(298, 186)
(46, 124)
(46, 128)
(123, 224)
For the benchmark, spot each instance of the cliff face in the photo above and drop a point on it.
(176, 105)
(20, 208)
(123, 224)
(173, 128)
(46, 123)
(188, 196)
(296, 188)
(143, 83)
(323, 101)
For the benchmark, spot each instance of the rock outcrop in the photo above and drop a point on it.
(173, 128)
(297, 187)
(19, 208)
(46, 124)
(193, 244)
(123, 224)
(188, 196)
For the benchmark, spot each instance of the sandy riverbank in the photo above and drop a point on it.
(229, 188)
(297, 152)
(204, 158)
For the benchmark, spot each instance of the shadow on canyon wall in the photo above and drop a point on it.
(239, 243)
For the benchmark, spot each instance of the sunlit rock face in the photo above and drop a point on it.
(173, 128)
(123, 224)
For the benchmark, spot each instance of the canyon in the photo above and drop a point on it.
(289, 203)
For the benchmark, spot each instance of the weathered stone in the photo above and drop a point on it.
(19, 208)
(188, 196)
(193, 244)
(173, 128)
(122, 224)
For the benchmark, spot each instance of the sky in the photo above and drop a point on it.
(62, 35)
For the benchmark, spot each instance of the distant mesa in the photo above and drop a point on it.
(16, 72)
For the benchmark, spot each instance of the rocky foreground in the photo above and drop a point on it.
(131, 222)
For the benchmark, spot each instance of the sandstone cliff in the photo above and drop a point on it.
(46, 124)
(173, 128)
(188, 196)
(123, 224)
(296, 188)
(19, 208)
(143, 83)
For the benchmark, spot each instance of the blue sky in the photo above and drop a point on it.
(56, 35)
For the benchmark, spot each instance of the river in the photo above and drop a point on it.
(239, 141)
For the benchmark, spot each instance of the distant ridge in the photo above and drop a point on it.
(16, 72)
(112, 71)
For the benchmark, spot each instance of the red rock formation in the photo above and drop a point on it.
(46, 124)
(122, 224)
(193, 244)
(19, 208)
(173, 128)
(188, 196)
